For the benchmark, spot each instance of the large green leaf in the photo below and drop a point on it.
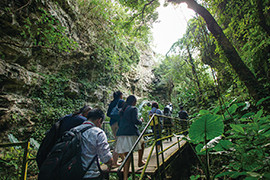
(262, 100)
(223, 145)
(202, 112)
(208, 125)
(237, 128)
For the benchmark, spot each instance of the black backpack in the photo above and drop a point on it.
(48, 142)
(183, 115)
(64, 161)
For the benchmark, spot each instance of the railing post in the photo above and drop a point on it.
(178, 143)
(25, 160)
(161, 148)
(155, 136)
(132, 166)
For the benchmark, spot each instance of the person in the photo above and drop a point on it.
(170, 106)
(156, 123)
(116, 97)
(116, 119)
(94, 142)
(128, 133)
(117, 101)
(183, 115)
(57, 130)
(75, 119)
(167, 122)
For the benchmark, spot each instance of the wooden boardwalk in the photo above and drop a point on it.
(152, 165)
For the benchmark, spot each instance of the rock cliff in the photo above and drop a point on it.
(44, 64)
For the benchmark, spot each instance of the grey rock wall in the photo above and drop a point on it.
(22, 67)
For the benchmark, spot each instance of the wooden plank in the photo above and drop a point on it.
(152, 165)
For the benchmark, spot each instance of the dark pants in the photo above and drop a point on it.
(184, 125)
(168, 129)
(157, 132)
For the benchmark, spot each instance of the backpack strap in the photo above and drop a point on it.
(85, 128)
(92, 161)
(98, 165)
(100, 170)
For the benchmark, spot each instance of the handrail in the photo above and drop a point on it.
(135, 144)
(130, 153)
(26, 145)
(150, 153)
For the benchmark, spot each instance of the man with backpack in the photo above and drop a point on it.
(58, 129)
(94, 142)
(76, 154)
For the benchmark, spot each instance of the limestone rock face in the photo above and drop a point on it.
(24, 67)
(16, 85)
(140, 77)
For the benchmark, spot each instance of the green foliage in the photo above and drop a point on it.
(115, 46)
(142, 15)
(10, 162)
(251, 144)
(47, 32)
(206, 127)
(52, 102)
(244, 146)
(246, 29)
(178, 79)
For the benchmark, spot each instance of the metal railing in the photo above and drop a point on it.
(26, 146)
(161, 152)
(26, 159)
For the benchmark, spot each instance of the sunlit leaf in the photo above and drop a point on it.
(202, 112)
(247, 106)
(237, 128)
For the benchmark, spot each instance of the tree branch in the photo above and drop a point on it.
(29, 2)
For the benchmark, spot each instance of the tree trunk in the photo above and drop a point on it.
(262, 20)
(255, 89)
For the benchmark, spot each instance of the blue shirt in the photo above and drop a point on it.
(111, 106)
(109, 111)
(94, 142)
(70, 121)
(155, 110)
(115, 118)
(128, 122)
